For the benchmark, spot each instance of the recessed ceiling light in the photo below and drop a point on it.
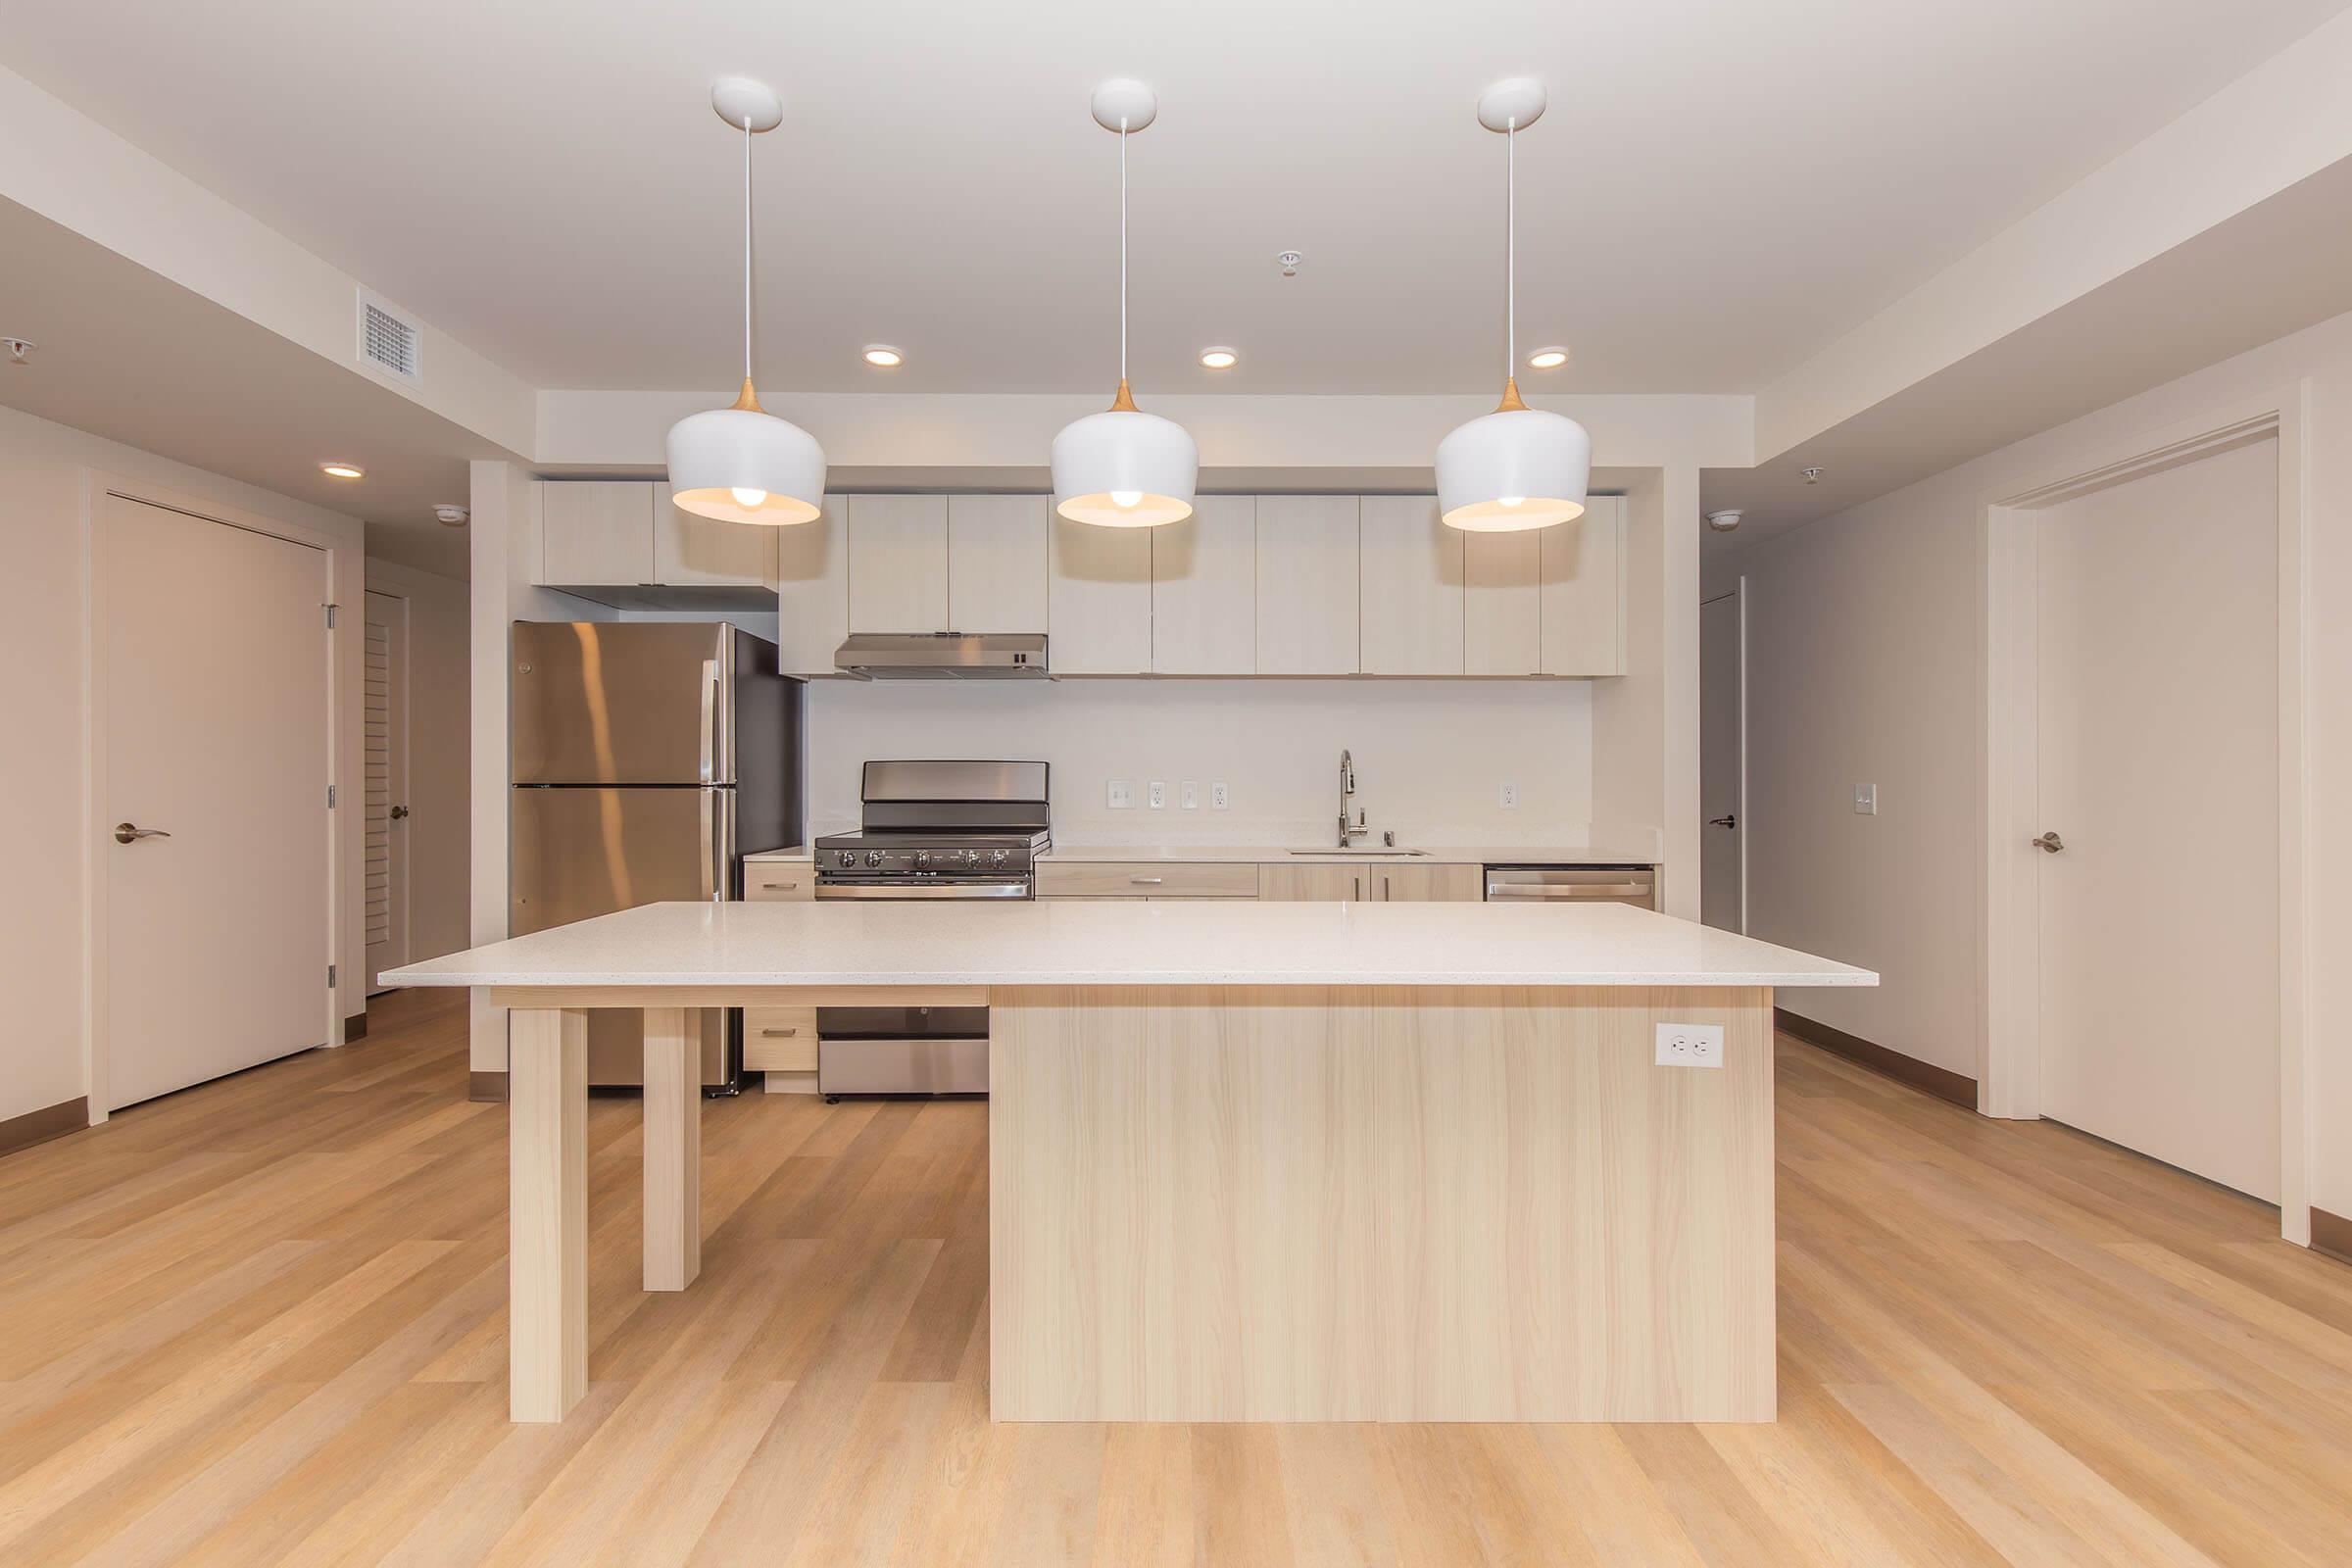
(1547, 359)
(343, 470)
(1219, 359)
(884, 356)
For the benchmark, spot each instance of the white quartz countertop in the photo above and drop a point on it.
(1139, 942)
(1264, 854)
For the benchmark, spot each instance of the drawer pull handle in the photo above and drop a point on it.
(1146, 881)
(774, 1033)
(779, 887)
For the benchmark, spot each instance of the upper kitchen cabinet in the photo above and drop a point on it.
(1205, 589)
(1502, 609)
(997, 564)
(1583, 591)
(701, 552)
(1411, 577)
(898, 564)
(812, 590)
(1098, 603)
(597, 533)
(1306, 585)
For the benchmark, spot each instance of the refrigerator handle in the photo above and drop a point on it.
(707, 806)
(709, 732)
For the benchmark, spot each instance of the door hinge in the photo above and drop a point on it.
(331, 796)
(331, 977)
(330, 615)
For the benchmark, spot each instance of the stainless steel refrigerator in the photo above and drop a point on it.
(648, 759)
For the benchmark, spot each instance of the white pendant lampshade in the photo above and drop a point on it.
(1123, 467)
(1518, 467)
(742, 463)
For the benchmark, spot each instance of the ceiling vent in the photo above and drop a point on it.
(387, 340)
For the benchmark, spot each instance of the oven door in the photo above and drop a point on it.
(902, 1050)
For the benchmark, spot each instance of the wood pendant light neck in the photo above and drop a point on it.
(746, 399)
(1123, 403)
(1510, 397)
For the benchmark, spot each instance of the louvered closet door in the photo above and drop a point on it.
(385, 782)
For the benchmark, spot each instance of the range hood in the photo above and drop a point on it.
(943, 656)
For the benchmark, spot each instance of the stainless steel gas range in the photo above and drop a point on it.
(935, 830)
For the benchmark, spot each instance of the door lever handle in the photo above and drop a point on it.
(2048, 843)
(1729, 820)
(128, 833)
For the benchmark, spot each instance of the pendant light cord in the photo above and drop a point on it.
(1122, 250)
(746, 249)
(1510, 251)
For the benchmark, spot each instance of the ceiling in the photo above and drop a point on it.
(1718, 187)
(135, 357)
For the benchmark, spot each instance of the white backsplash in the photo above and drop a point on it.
(1430, 757)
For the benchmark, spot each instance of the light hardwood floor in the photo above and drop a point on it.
(262, 1321)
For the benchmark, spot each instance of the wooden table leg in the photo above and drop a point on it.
(673, 1148)
(547, 1173)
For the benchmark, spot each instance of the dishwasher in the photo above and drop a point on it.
(1637, 885)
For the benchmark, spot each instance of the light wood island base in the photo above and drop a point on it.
(1346, 1204)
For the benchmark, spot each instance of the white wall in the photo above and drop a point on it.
(44, 834)
(1865, 655)
(1430, 755)
(439, 827)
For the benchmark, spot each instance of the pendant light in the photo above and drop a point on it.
(741, 464)
(1518, 467)
(1123, 468)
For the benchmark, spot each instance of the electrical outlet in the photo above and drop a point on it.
(1159, 796)
(1122, 794)
(1192, 796)
(1510, 797)
(1218, 798)
(1689, 1044)
(1866, 800)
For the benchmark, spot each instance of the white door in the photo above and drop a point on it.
(2159, 745)
(384, 781)
(213, 659)
(1721, 739)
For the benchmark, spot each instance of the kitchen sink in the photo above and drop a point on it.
(1381, 852)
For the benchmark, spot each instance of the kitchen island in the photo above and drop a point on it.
(1247, 1161)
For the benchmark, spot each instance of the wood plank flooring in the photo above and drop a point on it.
(262, 1321)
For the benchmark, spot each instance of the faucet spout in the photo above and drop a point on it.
(1350, 832)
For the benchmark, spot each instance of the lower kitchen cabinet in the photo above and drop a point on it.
(1430, 884)
(1315, 884)
(779, 1038)
(1146, 879)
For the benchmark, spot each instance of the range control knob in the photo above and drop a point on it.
(849, 857)
(873, 857)
(996, 856)
(923, 857)
(971, 856)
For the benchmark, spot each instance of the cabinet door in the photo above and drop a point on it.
(812, 590)
(997, 562)
(1098, 603)
(690, 550)
(596, 532)
(1306, 585)
(1410, 576)
(897, 564)
(1583, 592)
(1205, 590)
(1430, 884)
(1502, 606)
(1315, 884)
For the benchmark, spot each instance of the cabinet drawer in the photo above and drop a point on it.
(778, 883)
(1146, 879)
(779, 1038)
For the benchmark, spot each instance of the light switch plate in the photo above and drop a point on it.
(1866, 800)
(1190, 798)
(1159, 796)
(1122, 794)
(1218, 798)
(1689, 1044)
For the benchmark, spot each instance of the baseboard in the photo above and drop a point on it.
(1924, 1076)
(2332, 1233)
(39, 1126)
(355, 1027)
(486, 1086)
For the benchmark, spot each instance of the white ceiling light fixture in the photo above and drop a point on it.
(337, 469)
(741, 464)
(1518, 467)
(1123, 468)
(1219, 359)
(883, 357)
(1547, 359)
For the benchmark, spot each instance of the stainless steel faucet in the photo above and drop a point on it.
(1358, 829)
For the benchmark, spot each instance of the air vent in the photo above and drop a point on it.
(386, 341)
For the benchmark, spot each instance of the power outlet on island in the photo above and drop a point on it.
(1689, 1044)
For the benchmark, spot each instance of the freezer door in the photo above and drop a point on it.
(603, 702)
(578, 852)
